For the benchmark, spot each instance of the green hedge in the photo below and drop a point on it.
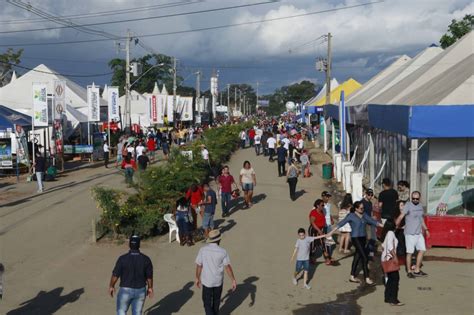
(159, 187)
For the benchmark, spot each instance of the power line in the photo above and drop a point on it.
(194, 30)
(109, 12)
(141, 18)
(57, 73)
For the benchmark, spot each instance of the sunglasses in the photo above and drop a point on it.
(415, 199)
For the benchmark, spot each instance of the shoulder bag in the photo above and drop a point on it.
(391, 265)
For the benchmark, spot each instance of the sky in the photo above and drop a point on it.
(367, 36)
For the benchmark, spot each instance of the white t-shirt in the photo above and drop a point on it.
(205, 154)
(139, 150)
(300, 144)
(106, 147)
(131, 150)
(257, 139)
(271, 143)
(286, 143)
(243, 135)
(213, 259)
(259, 132)
(247, 175)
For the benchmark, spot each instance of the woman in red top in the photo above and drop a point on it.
(317, 222)
(151, 147)
(195, 196)
(129, 166)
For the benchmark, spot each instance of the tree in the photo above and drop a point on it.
(159, 74)
(456, 30)
(7, 61)
(298, 93)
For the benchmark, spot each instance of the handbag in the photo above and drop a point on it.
(391, 265)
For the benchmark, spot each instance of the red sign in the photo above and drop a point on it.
(154, 110)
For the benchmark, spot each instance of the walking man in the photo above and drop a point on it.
(210, 264)
(40, 167)
(106, 154)
(388, 200)
(135, 271)
(414, 223)
(271, 143)
(281, 160)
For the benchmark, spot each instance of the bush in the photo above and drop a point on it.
(160, 186)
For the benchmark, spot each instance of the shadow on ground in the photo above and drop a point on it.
(172, 303)
(47, 302)
(232, 300)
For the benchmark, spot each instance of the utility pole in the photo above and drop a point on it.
(228, 102)
(328, 71)
(245, 107)
(198, 95)
(128, 122)
(235, 99)
(256, 105)
(174, 89)
(240, 101)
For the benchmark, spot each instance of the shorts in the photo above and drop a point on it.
(247, 186)
(415, 241)
(208, 221)
(302, 265)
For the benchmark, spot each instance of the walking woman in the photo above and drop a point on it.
(292, 178)
(345, 238)
(392, 279)
(358, 221)
(248, 181)
(129, 166)
(181, 214)
(317, 222)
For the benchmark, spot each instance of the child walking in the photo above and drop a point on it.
(302, 249)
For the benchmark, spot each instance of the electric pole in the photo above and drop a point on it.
(198, 96)
(228, 102)
(256, 105)
(328, 71)
(174, 89)
(235, 99)
(240, 101)
(128, 118)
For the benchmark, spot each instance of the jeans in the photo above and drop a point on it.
(208, 221)
(281, 168)
(106, 158)
(360, 256)
(292, 184)
(39, 180)
(133, 297)
(271, 152)
(225, 202)
(257, 148)
(182, 221)
(302, 265)
(211, 297)
(242, 144)
(391, 287)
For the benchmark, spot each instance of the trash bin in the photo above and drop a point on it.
(327, 171)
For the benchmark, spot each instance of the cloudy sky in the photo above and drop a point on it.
(365, 37)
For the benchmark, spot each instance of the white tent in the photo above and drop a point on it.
(322, 93)
(17, 95)
(138, 108)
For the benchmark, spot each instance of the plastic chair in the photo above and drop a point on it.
(172, 225)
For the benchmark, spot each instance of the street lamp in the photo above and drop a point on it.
(155, 66)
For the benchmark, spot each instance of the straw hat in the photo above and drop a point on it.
(214, 236)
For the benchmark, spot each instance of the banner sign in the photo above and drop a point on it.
(78, 149)
(170, 108)
(21, 146)
(152, 109)
(113, 101)
(40, 105)
(263, 103)
(6, 159)
(184, 108)
(93, 101)
(160, 108)
(59, 99)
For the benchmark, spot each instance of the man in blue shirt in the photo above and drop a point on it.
(207, 212)
(281, 155)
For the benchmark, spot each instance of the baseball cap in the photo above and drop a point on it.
(369, 191)
(134, 242)
(325, 194)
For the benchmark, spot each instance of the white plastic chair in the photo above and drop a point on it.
(172, 225)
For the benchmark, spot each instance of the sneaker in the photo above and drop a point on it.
(420, 274)
(295, 282)
(306, 286)
(410, 275)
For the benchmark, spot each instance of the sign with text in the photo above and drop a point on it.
(93, 102)
(6, 159)
(184, 108)
(78, 149)
(113, 102)
(59, 99)
(152, 109)
(40, 105)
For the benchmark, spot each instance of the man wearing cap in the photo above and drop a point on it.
(135, 271)
(210, 264)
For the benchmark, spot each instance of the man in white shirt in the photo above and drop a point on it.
(271, 143)
(286, 143)
(243, 138)
(205, 153)
(106, 154)
(210, 264)
(139, 149)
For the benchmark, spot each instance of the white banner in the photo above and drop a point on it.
(113, 102)
(93, 101)
(169, 107)
(185, 108)
(152, 109)
(40, 105)
(160, 108)
(59, 99)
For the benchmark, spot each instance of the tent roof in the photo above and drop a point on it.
(349, 87)
(321, 93)
(10, 117)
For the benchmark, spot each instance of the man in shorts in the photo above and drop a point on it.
(414, 224)
(207, 212)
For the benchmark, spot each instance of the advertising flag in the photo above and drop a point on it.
(185, 108)
(59, 98)
(6, 158)
(160, 108)
(40, 105)
(152, 109)
(169, 107)
(93, 101)
(113, 102)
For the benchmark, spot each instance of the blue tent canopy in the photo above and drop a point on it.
(10, 117)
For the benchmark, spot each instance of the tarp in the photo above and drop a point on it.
(349, 87)
(10, 117)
